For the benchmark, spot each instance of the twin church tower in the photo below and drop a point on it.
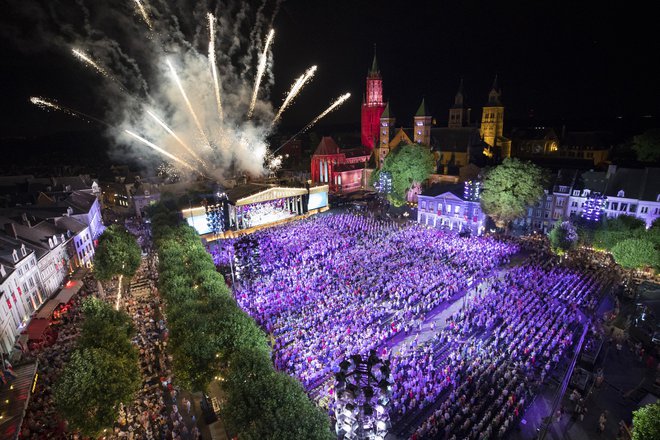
(377, 122)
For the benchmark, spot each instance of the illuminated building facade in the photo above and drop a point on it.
(492, 123)
(372, 108)
(341, 169)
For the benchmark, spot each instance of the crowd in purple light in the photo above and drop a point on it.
(496, 352)
(335, 285)
(341, 284)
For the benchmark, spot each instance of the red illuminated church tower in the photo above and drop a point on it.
(372, 107)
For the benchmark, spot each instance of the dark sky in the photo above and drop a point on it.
(563, 60)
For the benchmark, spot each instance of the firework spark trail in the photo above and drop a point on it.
(90, 62)
(143, 13)
(175, 136)
(295, 89)
(260, 72)
(96, 66)
(46, 104)
(190, 107)
(339, 101)
(163, 152)
(212, 62)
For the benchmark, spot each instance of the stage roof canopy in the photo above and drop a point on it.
(257, 193)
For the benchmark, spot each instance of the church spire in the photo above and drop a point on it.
(374, 65)
(495, 93)
(460, 97)
(422, 111)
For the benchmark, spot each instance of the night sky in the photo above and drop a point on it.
(559, 60)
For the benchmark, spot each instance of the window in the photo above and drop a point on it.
(547, 204)
(633, 208)
(457, 209)
(547, 214)
(644, 210)
(624, 207)
(560, 202)
(538, 213)
(448, 209)
(423, 205)
(574, 204)
(576, 192)
(556, 215)
(614, 206)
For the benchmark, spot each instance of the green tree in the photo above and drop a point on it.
(106, 328)
(118, 253)
(263, 403)
(509, 188)
(92, 385)
(635, 253)
(563, 237)
(407, 164)
(646, 422)
(647, 145)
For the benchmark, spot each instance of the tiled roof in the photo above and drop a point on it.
(326, 147)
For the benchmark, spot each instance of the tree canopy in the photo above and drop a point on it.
(646, 422)
(647, 145)
(406, 164)
(626, 237)
(102, 372)
(509, 188)
(117, 253)
(211, 336)
(636, 253)
(563, 237)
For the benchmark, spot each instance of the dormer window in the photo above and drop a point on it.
(50, 243)
(585, 193)
(14, 256)
(23, 250)
(657, 199)
(3, 272)
(620, 193)
(55, 239)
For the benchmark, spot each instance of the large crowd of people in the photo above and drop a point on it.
(332, 286)
(155, 412)
(41, 418)
(336, 285)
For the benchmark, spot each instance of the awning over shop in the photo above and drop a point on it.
(37, 328)
(15, 396)
(47, 309)
(70, 289)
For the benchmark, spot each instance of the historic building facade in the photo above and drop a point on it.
(342, 169)
(372, 108)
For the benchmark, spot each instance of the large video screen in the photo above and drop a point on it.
(199, 223)
(317, 200)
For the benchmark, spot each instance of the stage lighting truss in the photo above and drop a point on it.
(362, 398)
(215, 218)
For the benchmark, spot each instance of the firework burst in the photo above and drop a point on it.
(202, 111)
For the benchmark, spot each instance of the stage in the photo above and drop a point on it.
(251, 207)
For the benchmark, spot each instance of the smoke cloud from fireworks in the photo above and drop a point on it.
(187, 84)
